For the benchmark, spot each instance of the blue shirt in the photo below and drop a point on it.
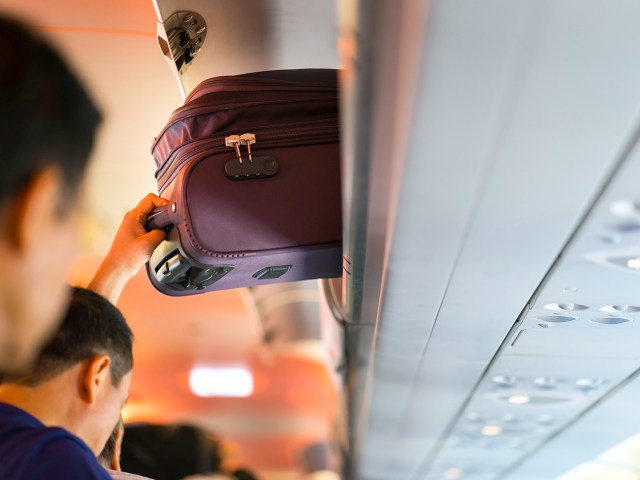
(31, 451)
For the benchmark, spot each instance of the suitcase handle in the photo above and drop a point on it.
(158, 219)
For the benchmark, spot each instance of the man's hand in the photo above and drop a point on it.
(131, 248)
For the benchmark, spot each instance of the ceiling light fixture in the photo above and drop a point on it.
(634, 263)
(491, 430)
(504, 381)
(519, 399)
(624, 208)
(569, 307)
(588, 383)
(221, 382)
(453, 473)
(544, 383)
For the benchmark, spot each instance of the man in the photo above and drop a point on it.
(55, 418)
(48, 128)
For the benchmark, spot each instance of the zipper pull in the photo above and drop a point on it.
(234, 141)
(248, 139)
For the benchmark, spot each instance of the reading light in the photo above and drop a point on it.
(491, 430)
(624, 208)
(452, 473)
(634, 263)
(566, 306)
(504, 381)
(221, 382)
(588, 383)
(544, 383)
(519, 399)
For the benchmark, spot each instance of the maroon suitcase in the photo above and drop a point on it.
(251, 168)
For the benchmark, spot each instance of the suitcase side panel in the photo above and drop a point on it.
(229, 216)
(241, 228)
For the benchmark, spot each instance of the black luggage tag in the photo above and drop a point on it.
(251, 167)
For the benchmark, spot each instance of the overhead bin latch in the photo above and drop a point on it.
(185, 34)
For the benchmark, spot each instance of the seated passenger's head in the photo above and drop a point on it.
(109, 457)
(48, 128)
(81, 379)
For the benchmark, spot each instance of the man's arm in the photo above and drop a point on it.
(131, 248)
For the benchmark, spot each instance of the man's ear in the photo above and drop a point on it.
(96, 376)
(35, 209)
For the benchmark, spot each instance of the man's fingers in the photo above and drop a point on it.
(153, 238)
(148, 203)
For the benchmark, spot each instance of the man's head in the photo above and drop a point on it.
(48, 128)
(81, 379)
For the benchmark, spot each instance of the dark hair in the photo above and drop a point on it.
(167, 452)
(47, 116)
(108, 452)
(91, 326)
(243, 474)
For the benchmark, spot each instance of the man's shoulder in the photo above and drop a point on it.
(47, 452)
(58, 440)
(62, 453)
(43, 440)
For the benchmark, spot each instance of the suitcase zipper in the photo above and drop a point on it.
(189, 111)
(250, 85)
(166, 164)
(213, 88)
(222, 144)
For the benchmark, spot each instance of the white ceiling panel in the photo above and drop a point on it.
(522, 113)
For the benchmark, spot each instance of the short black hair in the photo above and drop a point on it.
(167, 452)
(92, 326)
(47, 116)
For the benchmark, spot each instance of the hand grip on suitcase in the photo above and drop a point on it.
(158, 219)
